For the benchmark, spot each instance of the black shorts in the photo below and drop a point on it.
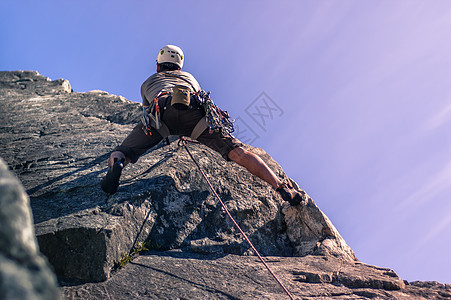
(179, 122)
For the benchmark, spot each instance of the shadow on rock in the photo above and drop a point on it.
(70, 193)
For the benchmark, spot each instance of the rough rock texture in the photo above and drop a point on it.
(58, 141)
(184, 275)
(24, 272)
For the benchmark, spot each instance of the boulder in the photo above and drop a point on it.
(24, 272)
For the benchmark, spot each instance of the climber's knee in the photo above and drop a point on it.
(238, 155)
(115, 156)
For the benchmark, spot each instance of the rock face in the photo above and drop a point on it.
(58, 145)
(24, 272)
(177, 274)
(58, 142)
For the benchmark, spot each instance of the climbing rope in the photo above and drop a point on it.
(182, 143)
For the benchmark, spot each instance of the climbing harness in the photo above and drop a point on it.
(182, 143)
(215, 118)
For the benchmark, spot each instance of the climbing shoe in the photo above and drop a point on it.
(289, 194)
(111, 181)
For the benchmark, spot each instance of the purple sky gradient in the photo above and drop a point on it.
(365, 87)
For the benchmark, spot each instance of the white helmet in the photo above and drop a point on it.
(171, 54)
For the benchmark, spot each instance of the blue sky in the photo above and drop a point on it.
(363, 89)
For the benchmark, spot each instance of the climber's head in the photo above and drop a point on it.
(170, 58)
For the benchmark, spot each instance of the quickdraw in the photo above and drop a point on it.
(147, 112)
(217, 119)
(146, 121)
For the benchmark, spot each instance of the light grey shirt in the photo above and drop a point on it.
(159, 82)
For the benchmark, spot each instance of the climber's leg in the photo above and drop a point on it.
(254, 164)
(134, 145)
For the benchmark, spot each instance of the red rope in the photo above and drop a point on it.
(182, 142)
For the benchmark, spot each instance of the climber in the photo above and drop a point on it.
(170, 108)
